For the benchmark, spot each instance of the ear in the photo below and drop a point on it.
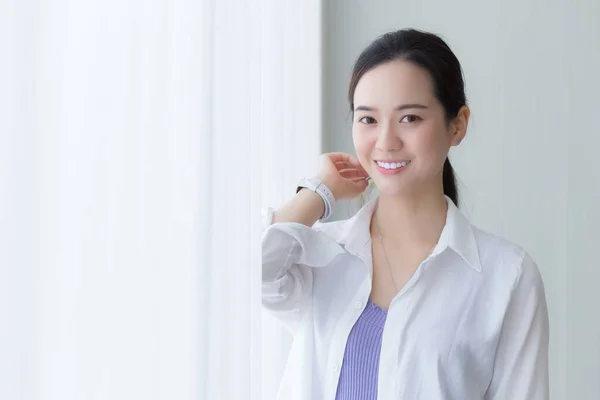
(459, 125)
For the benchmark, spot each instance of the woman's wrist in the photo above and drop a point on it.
(305, 208)
(328, 182)
(321, 188)
(316, 199)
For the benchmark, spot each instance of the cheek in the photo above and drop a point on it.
(363, 145)
(430, 144)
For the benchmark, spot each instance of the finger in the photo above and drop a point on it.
(358, 179)
(343, 164)
(353, 173)
(360, 170)
(358, 186)
(335, 157)
(346, 165)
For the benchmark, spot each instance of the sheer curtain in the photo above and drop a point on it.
(138, 141)
(290, 131)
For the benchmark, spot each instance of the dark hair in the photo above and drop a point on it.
(431, 53)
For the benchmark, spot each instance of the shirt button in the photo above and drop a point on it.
(335, 367)
(358, 305)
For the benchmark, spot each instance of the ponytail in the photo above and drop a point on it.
(449, 181)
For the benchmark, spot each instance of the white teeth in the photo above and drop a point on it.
(394, 165)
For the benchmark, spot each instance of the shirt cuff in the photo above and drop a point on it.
(267, 217)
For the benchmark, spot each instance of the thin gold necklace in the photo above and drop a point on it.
(387, 261)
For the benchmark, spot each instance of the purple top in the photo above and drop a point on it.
(360, 368)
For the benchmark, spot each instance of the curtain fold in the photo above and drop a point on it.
(138, 142)
(291, 131)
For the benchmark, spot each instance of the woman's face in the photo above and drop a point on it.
(400, 133)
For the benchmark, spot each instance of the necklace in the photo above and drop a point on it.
(387, 261)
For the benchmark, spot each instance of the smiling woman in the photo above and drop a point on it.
(406, 299)
(393, 70)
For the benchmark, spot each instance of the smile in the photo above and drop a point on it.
(392, 165)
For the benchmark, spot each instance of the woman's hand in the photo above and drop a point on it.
(342, 174)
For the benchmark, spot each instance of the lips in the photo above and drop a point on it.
(392, 165)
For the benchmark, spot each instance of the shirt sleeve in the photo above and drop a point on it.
(289, 253)
(521, 363)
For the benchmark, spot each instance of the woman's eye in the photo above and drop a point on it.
(367, 120)
(410, 118)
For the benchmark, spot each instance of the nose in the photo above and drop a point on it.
(388, 140)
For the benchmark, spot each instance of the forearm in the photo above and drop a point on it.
(306, 207)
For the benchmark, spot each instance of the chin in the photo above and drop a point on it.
(388, 188)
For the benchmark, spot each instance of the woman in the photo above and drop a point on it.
(406, 299)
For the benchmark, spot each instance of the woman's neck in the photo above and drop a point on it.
(410, 220)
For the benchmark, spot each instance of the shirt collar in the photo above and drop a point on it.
(457, 234)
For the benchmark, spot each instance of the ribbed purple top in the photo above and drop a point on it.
(360, 368)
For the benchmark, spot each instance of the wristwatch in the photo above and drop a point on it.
(317, 186)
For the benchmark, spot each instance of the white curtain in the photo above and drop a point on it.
(138, 141)
(290, 131)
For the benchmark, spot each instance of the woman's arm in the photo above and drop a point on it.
(305, 208)
(291, 248)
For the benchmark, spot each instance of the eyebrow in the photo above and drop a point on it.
(398, 108)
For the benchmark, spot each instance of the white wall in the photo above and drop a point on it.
(532, 72)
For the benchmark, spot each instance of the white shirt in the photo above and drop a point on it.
(471, 323)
